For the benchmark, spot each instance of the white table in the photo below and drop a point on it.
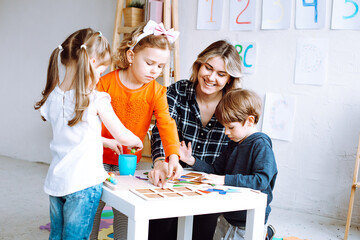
(140, 211)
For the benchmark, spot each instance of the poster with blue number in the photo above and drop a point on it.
(310, 14)
(247, 52)
(345, 14)
(276, 14)
(242, 15)
(209, 14)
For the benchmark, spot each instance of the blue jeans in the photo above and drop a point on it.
(72, 216)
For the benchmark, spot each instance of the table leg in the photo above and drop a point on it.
(185, 225)
(138, 230)
(255, 219)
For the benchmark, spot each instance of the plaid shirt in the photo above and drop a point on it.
(207, 142)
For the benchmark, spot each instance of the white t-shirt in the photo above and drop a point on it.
(77, 150)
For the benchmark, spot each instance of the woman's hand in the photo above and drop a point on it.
(186, 153)
(213, 179)
(113, 145)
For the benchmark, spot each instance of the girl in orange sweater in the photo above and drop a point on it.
(135, 97)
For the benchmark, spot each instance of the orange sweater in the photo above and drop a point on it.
(134, 108)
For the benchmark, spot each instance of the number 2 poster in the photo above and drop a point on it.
(242, 15)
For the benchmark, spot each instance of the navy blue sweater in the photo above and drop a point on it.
(250, 164)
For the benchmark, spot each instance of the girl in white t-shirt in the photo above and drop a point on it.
(75, 110)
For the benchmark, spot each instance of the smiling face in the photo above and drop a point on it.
(147, 64)
(212, 76)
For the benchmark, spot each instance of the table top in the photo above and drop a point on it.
(136, 207)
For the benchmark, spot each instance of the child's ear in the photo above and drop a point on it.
(93, 60)
(250, 120)
(130, 55)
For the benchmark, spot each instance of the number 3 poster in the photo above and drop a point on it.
(242, 15)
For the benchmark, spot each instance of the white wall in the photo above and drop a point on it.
(30, 31)
(315, 168)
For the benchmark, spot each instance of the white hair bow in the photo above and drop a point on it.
(157, 29)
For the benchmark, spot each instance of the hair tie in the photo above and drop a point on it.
(157, 29)
(100, 33)
(60, 47)
(83, 46)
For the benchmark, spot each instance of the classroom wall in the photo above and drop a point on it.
(30, 31)
(315, 168)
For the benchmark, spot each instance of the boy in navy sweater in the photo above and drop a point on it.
(248, 160)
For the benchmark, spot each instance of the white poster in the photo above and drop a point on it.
(279, 113)
(247, 52)
(276, 14)
(310, 14)
(209, 15)
(345, 14)
(242, 15)
(311, 61)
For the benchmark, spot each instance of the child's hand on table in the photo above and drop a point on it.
(158, 175)
(175, 170)
(213, 179)
(113, 145)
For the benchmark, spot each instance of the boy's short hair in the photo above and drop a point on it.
(237, 105)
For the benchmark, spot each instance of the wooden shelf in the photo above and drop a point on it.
(125, 29)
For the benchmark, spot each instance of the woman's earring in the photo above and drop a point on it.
(130, 64)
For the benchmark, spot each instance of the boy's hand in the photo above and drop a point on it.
(186, 153)
(213, 179)
(113, 145)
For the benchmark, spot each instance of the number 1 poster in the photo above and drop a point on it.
(242, 15)
(209, 14)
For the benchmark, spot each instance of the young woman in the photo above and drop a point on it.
(192, 105)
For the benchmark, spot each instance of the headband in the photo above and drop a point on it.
(157, 29)
(60, 47)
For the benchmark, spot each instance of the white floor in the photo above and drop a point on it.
(24, 208)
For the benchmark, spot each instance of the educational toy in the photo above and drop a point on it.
(167, 193)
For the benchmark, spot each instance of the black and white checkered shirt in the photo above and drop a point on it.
(207, 142)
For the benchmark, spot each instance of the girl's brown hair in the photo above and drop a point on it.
(237, 105)
(77, 50)
(151, 41)
(230, 56)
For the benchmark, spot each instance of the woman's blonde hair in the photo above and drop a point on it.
(77, 50)
(237, 105)
(151, 41)
(230, 56)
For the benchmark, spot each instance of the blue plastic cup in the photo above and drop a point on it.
(127, 164)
